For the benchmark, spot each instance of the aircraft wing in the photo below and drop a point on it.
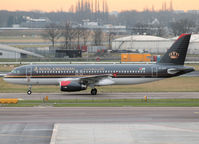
(97, 80)
(93, 79)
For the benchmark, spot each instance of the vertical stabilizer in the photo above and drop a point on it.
(177, 53)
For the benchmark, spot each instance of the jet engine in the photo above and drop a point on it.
(70, 86)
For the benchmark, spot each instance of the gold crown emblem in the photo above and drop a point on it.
(174, 55)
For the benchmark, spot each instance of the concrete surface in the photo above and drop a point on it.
(87, 96)
(149, 133)
(25, 133)
(155, 125)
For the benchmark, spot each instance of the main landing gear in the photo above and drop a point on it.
(94, 91)
(29, 92)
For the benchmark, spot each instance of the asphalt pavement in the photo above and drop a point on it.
(87, 96)
(116, 125)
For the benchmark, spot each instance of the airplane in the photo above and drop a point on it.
(76, 77)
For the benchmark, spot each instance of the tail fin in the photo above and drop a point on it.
(177, 53)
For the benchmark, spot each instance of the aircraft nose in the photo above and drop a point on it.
(3, 74)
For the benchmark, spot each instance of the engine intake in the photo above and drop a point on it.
(68, 86)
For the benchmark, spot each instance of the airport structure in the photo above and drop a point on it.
(152, 44)
(8, 52)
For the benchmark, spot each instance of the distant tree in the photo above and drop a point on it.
(110, 39)
(97, 37)
(79, 34)
(86, 33)
(141, 28)
(68, 33)
(196, 29)
(182, 26)
(160, 31)
(52, 33)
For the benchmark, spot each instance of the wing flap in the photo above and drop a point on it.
(93, 79)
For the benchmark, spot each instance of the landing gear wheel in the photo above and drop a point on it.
(29, 92)
(94, 91)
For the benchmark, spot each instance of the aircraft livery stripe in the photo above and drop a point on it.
(124, 76)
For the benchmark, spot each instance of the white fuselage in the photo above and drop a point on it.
(56, 81)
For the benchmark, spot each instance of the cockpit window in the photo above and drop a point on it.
(15, 71)
(19, 71)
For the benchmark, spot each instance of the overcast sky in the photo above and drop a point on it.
(114, 5)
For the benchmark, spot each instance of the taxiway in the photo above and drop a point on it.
(44, 125)
(87, 96)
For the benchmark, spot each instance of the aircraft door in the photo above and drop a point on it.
(78, 72)
(28, 73)
(81, 72)
(154, 71)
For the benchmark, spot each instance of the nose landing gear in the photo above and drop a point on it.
(29, 92)
(94, 91)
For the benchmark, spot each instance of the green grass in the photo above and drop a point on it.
(131, 103)
(178, 84)
(108, 103)
(196, 66)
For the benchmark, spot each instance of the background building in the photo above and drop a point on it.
(152, 44)
(8, 52)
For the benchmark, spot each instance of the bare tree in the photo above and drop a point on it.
(97, 37)
(69, 34)
(86, 33)
(110, 39)
(79, 34)
(160, 31)
(141, 28)
(182, 26)
(52, 33)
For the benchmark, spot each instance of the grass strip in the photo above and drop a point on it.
(108, 103)
(178, 84)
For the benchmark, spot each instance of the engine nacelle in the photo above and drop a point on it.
(68, 86)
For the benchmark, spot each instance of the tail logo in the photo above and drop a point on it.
(174, 55)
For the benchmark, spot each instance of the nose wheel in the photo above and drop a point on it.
(29, 92)
(94, 91)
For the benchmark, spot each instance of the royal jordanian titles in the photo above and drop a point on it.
(72, 78)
